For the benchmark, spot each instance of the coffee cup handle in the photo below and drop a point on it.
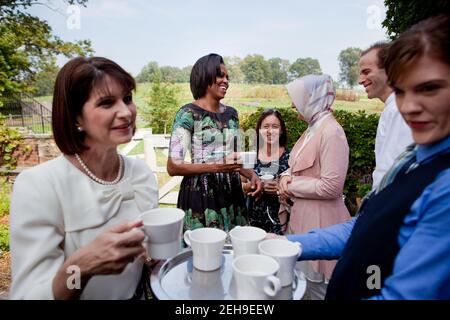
(300, 248)
(272, 286)
(145, 235)
(187, 237)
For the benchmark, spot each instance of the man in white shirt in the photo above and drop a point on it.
(393, 134)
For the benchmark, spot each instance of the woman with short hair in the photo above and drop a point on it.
(75, 232)
(210, 193)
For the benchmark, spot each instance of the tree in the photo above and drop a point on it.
(348, 62)
(304, 66)
(170, 74)
(12, 6)
(166, 74)
(278, 70)
(162, 107)
(185, 74)
(255, 68)
(27, 45)
(233, 65)
(148, 73)
(44, 81)
(402, 14)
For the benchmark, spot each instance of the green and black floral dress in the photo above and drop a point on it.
(209, 199)
(263, 212)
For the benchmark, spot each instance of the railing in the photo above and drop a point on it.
(22, 110)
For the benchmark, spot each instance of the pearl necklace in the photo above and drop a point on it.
(97, 179)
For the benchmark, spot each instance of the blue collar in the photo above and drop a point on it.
(427, 151)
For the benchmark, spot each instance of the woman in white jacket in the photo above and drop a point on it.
(74, 227)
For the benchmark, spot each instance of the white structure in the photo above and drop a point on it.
(151, 143)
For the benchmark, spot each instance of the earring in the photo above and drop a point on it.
(80, 129)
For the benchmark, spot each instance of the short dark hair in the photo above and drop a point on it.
(276, 113)
(382, 48)
(204, 73)
(428, 37)
(73, 88)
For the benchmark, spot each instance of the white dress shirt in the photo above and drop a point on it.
(393, 136)
(57, 209)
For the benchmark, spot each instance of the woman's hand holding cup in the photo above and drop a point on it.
(270, 184)
(112, 250)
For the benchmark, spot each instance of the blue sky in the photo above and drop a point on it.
(177, 33)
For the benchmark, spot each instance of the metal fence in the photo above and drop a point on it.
(22, 110)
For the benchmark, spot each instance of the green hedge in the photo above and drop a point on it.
(5, 189)
(10, 141)
(4, 238)
(360, 129)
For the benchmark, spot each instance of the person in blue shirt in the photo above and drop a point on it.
(398, 245)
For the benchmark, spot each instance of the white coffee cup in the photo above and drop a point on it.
(267, 178)
(285, 253)
(245, 240)
(248, 159)
(163, 228)
(255, 278)
(207, 246)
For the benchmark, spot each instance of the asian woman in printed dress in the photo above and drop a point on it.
(211, 192)
(272, 159)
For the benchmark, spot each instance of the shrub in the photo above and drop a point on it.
(162, 107)
(4, 238)
(294, 126)
(363, 190)
(10, 141)
(360, 129)
(4, 197)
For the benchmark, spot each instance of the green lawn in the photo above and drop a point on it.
(247, 97)
(161, 158)
(139, 149)
(163, 205)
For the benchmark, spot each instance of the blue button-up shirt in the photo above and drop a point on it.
(422, 266)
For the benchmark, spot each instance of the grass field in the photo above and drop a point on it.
(247, 97)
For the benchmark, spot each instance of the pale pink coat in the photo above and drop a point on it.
(318, 176)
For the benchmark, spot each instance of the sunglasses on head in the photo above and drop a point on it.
(271, 110)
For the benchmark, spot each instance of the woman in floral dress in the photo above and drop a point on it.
(210, 193)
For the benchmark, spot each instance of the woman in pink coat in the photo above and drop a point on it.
(318, 164)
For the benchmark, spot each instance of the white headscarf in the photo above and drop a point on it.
(313, 96)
